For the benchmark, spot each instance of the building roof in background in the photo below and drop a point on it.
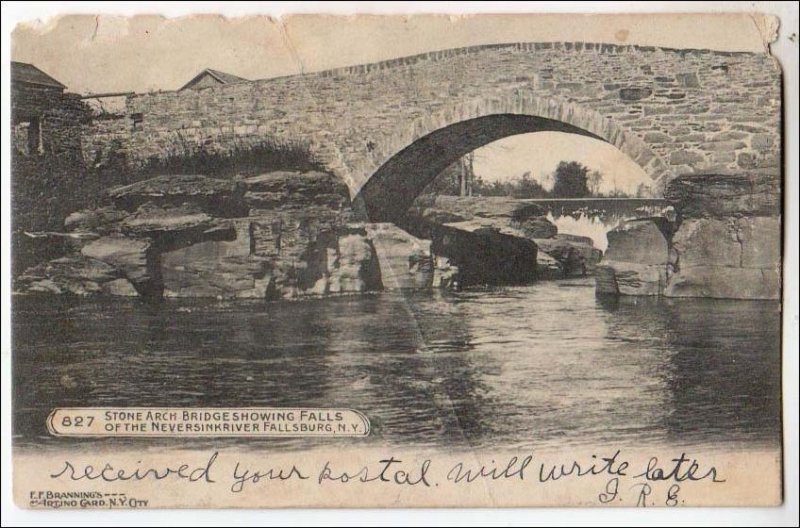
(221, 77)
(28, 73)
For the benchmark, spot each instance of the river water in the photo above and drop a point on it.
(547, 365)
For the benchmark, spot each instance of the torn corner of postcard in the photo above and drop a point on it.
(489, 261)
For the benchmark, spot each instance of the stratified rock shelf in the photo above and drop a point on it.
(723, 242)
(275, 235)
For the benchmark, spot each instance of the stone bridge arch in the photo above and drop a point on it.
(404, 161)
(675, 112)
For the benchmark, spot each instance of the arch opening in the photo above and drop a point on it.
(391, 190)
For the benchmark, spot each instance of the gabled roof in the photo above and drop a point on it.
(222, 77)
(28, 73)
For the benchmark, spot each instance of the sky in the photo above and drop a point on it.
(149, 52)
(101, 54)
(541, 152)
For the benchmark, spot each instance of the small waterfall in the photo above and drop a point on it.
(594, 227)
(594, 218)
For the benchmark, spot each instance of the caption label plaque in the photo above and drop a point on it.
(186, 422)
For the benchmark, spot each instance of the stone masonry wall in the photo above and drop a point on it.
(674, 112)
(59, 116)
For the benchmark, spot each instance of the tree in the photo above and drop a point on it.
(570, 180)
(467, 175)
(527, 187)
(594, 180)
(495, 188)
(617, 193)
(643, 191)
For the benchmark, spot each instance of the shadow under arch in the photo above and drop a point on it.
(392, 189)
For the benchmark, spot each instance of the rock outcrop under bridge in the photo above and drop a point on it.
(723, 243)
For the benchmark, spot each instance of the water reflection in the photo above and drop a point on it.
(543, 365)
(730, 369)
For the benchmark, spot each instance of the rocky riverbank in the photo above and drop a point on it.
(724, 241)
(290, 234)
(490, 227)
(294, 234)
(276, 235)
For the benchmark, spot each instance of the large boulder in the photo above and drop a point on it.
(486, 254)
(575, 254)
(636, 260)
(280, 234)
(536, 227)
(640, 241)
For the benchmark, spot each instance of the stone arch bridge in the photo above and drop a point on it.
(388, 128)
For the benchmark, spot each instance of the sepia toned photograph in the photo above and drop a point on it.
(385, 261)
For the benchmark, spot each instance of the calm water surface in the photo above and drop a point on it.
(547, 365)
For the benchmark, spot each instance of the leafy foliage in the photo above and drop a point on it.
(523, 187)
(571, 180)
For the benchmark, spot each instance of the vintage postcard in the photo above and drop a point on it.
(396, 261)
